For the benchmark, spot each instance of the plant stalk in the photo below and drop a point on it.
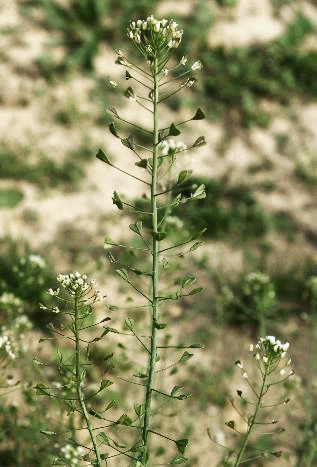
(78, 386)
(155, 258)
(253, 420)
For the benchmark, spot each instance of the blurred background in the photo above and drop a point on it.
(258, 89)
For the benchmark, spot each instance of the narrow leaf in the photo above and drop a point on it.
(139, 409)
(137, 227)
(176, 390)
(113, 130)
(160, 325)
(142, 163)
(103, 438)
(111, 404)
(159, 235)
(124, 420)
(105, 383)
(130, 323)
(196, 291)
(129, 92)
(199, 193)
(173, 130)
(128, 142)
(184, 175)
(188, 280)
(185, 357)
(179, 460)
(94, 413)
(195, 246)
(113, 110)
(200, 141)
(102, 157)
(181, 444)
(230, 424)
(199, 115)
(123, 274)
(48, 433)
(117, 200)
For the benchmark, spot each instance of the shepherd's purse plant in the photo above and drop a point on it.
(158, 243)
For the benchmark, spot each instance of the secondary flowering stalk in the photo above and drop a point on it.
(82, 294)
(268, 353)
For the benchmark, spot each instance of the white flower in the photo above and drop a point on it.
(37, 260)
(282, 372)
(114, 84)
(53, 292)
(239, 364)
(197, 65)
(55, 309)
(165, 71)
(251, 347)
(245, 375)
(183, 60)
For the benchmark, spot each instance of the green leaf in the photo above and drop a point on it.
(184, 175)
(199, 115)
(42, 389)
(129, 92)
(113, 130)
(139, 409)
(112, 403)
(103, 439)
(124, 420)
(181, 444)
(173, 130)
(137, 228)
(230, 424)
(138, 446)
(195, 246)
(185, 357)
(199, 234)
(108, 243)
(96, 414)
(48, 433)
(188, 280)
(123, 274)
(102, 157)
(196, 291)
(130, 323)
(200, 141)
(195, 346)
(113, 110)
(176, 391)
(159, 235)
(36, 361)
(160, 325)
(105, 383)
(199, 193)
(117, 200)
(128, 142)
(178, 459)
(142, 163)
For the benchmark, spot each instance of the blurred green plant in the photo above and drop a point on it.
(45, 172)
(25, 274)
(10, 197)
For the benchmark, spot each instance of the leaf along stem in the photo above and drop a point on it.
(155, 269)
(78, 385)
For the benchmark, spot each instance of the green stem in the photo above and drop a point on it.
(253, 419)
(78, 385)
(155, 258)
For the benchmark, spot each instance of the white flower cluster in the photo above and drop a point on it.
(72, 454)
(171, 147)
(270, 350)
(76, 284)
(8, 346)
(37, 261)
(8, 299)
(154, 35)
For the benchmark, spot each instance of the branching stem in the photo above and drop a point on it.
(78, 385)
(155, 269)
